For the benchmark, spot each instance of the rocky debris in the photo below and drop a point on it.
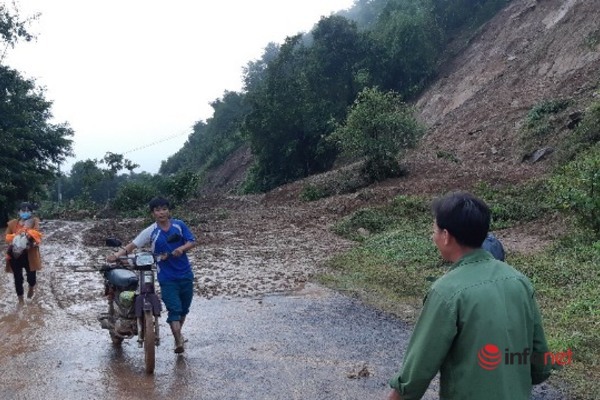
(362, 371)
(538, 154)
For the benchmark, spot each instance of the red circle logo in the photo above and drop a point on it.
(489, 357)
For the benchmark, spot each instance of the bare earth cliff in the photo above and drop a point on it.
(530, 52)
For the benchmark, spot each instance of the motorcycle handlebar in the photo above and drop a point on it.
(127, 259)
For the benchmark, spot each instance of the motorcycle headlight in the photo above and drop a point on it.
(144, 259)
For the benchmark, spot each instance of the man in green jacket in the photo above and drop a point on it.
(480, 326)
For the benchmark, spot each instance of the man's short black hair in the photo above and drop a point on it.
(158, 202)
(464, 216)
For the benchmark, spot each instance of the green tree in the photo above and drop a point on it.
(275, 123)
(364, 12)
(83, 182)
(13, 28)
(212, 141)
(307, 87)
(378, 128)
(89, 183)
(411, 42)
(193, 153)
(114, 163)
(32, 146)
(117, 162)
(134, 196)
(255, 72)
(453, 15)
(334, 60)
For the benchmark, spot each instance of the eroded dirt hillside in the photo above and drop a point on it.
(530, 52)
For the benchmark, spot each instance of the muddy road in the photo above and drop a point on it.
(258, 328)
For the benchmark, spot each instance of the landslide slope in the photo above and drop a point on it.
(532, 51)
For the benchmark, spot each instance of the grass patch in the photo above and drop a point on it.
(543, 121)
(542, 110)
(390, 269)
(513, 205)
(447, 156)
(345, 180)
(313, 192)
(395, 262)
(381, 219)
(567, 281)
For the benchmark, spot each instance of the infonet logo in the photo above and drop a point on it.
(490, 356)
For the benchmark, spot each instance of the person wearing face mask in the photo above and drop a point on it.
(24, 237)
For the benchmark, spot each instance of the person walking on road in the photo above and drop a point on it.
(479, 310)
(173, 239)
(24, 237)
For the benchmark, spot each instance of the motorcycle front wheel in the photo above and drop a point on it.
(116, 340)
(149, 341)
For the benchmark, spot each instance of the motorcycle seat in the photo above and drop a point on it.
(122, 278)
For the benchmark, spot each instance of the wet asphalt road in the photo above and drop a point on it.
(313, 344)
(307, 344)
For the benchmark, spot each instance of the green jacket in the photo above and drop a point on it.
(474, 318)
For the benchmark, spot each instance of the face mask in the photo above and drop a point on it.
(24, 214)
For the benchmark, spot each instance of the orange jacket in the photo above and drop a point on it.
(32, 228)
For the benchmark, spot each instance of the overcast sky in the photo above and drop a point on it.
(133, 76)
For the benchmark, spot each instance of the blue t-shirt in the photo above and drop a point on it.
(173, 268)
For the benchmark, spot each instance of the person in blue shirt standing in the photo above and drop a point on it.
(172, 239)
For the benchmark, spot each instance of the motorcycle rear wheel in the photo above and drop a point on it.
(149, 341)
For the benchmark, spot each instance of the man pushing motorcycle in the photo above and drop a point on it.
(172, 239)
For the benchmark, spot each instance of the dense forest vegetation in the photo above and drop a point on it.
(299, 93)
(294, 98)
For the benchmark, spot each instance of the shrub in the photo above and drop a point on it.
(344, 180)
(541, 121)
(133, 196)
(513, 205)
(378, 127)
(180, 186)
(385, 218)
(541, 110)
(577, 188)
(313, 192)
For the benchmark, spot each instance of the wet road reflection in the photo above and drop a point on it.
(303, 346)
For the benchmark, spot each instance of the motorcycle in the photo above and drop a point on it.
(133, 305)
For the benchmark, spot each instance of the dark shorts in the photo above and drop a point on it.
(177, 296)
